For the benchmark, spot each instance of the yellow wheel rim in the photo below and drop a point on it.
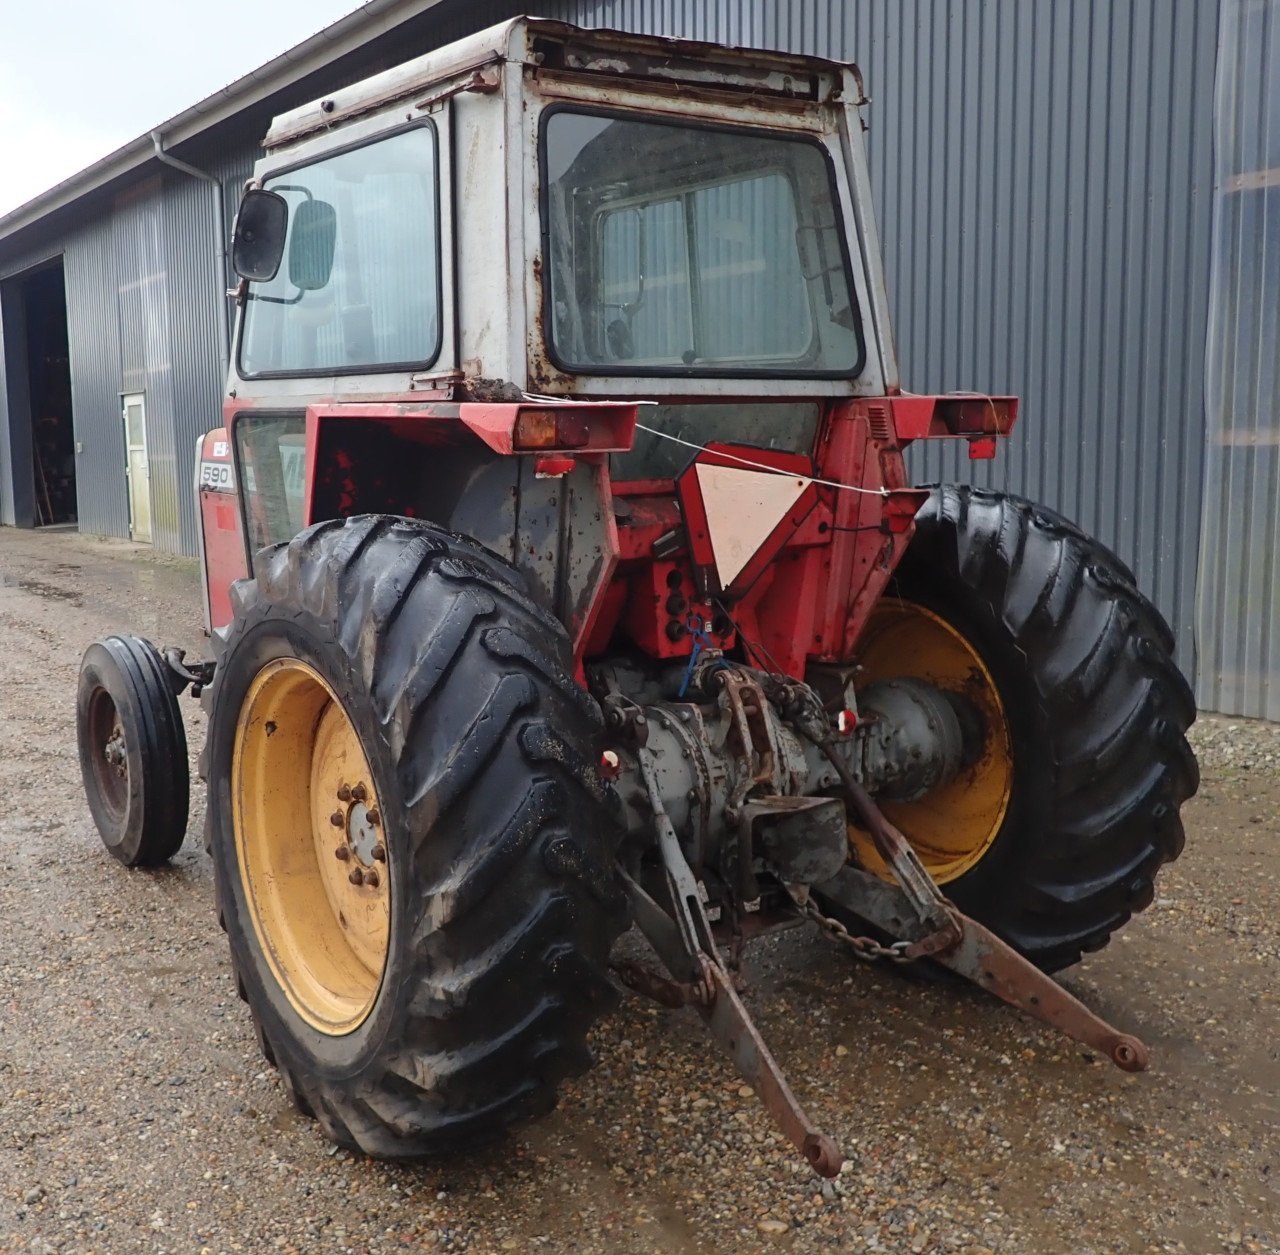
(310, 845)
(953, 826)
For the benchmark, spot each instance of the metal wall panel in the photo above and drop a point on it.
(1062, 253)
(197, 372)
(1240, 549)
(94, 330)
(146, 347)
(14, 403)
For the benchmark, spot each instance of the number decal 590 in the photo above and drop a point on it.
(216, 476)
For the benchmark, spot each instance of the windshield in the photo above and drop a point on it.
(271, 460)
(682, 249)
(359, 286)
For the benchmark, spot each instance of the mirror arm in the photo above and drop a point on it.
(275, 300)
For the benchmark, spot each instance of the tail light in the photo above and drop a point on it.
(550, 429)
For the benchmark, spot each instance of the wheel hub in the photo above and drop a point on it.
(363, 844)
(109, 756)
(114, 750)
(363, 836)
(912, 738)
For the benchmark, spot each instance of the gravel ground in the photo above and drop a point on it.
(136, 1113)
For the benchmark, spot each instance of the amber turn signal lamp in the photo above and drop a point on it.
(550, 429)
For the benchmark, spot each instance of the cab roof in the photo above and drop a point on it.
(558, 46)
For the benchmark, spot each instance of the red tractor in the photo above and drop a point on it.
(563, 573)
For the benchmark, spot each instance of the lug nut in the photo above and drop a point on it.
(358, 793)
(344, 794)
(379, 853)
(337, 819)
(356, 876)
(371, 879)
(373, 817)
(342, 854)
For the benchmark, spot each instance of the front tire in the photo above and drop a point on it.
(428, 1008)
(1087, 712)
(133, 750)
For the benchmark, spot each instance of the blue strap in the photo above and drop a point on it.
(701, 641)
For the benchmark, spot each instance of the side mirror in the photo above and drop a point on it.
(257, 246)
(311, 245)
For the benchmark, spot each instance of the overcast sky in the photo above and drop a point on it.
(78, 78)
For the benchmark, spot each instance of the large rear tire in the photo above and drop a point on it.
(412, 847)
(1054, 836)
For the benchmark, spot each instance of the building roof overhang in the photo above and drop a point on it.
(374, 18)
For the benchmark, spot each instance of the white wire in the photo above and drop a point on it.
(761, 466)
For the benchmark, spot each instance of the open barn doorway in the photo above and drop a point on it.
(53, 441)
(37, 383)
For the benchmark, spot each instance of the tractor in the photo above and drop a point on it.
(563, 575)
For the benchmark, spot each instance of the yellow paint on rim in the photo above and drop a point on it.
(953, 826)
(301, 791)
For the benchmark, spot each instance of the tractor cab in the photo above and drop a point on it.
(568, 213)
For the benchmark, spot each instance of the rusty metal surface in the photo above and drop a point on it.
(923, 894)
(730, 1024)
(650, 984)
(693, 63)
(683, 939)
(998, 968)
(732, 1027)
(974, 952)
(750, 734)
(918, 912)
(802, 838)
(747, 928)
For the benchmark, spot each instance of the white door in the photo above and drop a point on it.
(139, 474)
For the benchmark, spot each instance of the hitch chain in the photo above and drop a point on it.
(868, 949)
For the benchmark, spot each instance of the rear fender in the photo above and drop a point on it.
(547, 510)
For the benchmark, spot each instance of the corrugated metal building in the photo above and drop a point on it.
(1053, 222)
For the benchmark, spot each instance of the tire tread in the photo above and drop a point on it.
(1112, 700)
(506, 953)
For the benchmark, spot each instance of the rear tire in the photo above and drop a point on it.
(133, 750)
(483, 757)
(1096, 713)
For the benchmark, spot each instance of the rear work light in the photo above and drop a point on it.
(550, 429)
